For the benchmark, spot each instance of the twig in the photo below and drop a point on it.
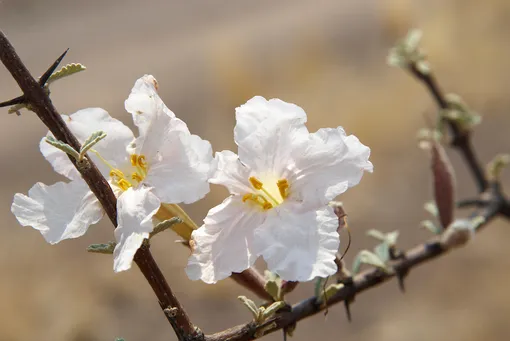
(41, 104)
(461, 140)
(363, 281)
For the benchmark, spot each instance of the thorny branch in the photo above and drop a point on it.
(491, 203)
(40, 103)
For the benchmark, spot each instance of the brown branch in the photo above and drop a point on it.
(461, 140)
(41, 104)
(366, 280)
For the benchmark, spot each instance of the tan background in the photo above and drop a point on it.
(328, 56)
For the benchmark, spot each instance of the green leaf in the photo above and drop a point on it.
(91, 141)
(63, 147)
(252, 307)
(68, 70)
(367, 257)
(273, 285)
(319, 286)
(102, 248)
(429, 225)
(376, 234)
(272, 309)
(330, 291)
(431, 207)
(164, 225)
(382, 251)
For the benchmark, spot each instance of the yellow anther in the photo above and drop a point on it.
(117, 174)
(259, 200)
(135, 176)
(256, 183)
(123, 184)
(283, 186)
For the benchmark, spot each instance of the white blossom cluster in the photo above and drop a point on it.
(280, 182)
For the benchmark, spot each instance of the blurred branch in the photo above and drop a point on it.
(35, 96)
(497, 205)
(461, 140)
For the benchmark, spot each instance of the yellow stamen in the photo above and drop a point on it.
(259, 200)
(256, 183)
(283, 186)
(135, 176)
(139, 162)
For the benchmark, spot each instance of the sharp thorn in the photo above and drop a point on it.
(347, 306)
(14, 101)
(44, 78)
(401, 283)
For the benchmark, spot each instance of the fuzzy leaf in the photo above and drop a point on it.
(376, 234)
(367, 257)
(429, 225)
(330, 291)
(319, 286)
(272, 309)
(431, 208)
(252, 307)
(382, 251)
(273, 285)
(63, 147)
(102, 248)
(91, 141)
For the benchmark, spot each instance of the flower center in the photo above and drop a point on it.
(268, 196)
(123, 181)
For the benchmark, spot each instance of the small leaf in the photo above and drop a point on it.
(367, 257)
(272, 309)
(392, 237)
(63, 147)
(273, 285)
(102, 248)
(91, 141)
(429, 225)
(251, 306)
(431, 207)
(68, 70)
(330, 291)
(164, 225)
(382, 251)
(119, 339)
(319, 286)
(496, 166)
(376, 234)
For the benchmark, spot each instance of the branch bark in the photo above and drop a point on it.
(41, 104)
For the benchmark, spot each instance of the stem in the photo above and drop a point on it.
(43, 107)
(461, 140)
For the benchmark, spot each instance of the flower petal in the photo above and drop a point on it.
(231, 173)
(268, 148)
(326, 165)
(259, 110)
(180, 164)
(223, 245)
(60, 211)
(135, 209)
(299, 246)
(82, 124)
(144, 102)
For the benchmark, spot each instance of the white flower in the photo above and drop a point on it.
(280, 185)
(164, 164)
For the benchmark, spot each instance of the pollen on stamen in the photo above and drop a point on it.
(283, 186)
(256, 183)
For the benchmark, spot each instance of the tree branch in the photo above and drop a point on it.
(460, 140)
(40, 103)
(366, 280)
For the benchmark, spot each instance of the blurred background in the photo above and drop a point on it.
(328, 56)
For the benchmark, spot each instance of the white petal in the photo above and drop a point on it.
(180, 164)
(135, 209)
(299, 246)
(82, 124)
(268, 148)
(231, 173)
(223, 245)
(60, 211)
(144, 102)
(326, 165)
(259, 110)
